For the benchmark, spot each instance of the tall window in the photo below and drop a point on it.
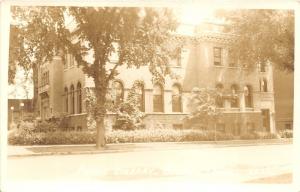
(219, 99)
(72, 99)
(158, 98)
(118, 92)
(141, 96)
(79, 98)
(235, 99)
(217, 56)
(248, 96)
(66, 100)
(264, 85)
(176, 99)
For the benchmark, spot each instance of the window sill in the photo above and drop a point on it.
(175, 66)
(74, 115)
(219, 66)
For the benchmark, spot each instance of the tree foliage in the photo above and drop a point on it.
(129, 114)
(262, 36)
(202, 105)
(35, 38)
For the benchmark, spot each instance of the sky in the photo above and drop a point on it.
(188, 16)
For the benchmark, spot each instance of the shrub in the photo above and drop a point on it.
(116, 136)
(267, 135)
(52, 138)
(129, 116)
(286, 133)
(26, 126)
(164, 135)
(47, 126)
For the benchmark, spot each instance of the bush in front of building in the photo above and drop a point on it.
(259, 135)
(286, 133)
(21, 137)
(164, 135)
(129, 114)
(46, 126)
(267, 135)
(52, 138)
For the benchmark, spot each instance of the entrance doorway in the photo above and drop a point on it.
(266, 119)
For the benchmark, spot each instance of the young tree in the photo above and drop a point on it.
(138, 36)
(262, 36)
(202, 105)
(129, 114)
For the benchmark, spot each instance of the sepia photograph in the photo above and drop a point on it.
(133, 94)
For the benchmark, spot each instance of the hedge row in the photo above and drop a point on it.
(120, 136)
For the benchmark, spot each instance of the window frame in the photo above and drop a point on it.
(217, 56)
(72, 94)
(249, 97)
(177, 102)
(79, 98)
(66, 100)
(237, 101)
(158, 100)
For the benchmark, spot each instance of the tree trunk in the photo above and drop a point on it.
(100, 115)
(35, 91)
(100, 140)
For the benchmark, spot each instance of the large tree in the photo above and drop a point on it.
(138, 36)
(262, 35)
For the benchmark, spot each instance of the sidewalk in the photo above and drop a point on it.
(37, 150)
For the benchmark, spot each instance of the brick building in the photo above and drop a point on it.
(204, 61)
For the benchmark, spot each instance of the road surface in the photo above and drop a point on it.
(238, 164)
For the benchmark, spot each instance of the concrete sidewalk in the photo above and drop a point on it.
(37, 150)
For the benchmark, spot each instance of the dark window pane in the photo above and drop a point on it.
(157, 98)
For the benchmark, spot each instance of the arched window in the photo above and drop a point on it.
(79, 98)
(219, 99)
(176, 98)
(118, 92)
(72, 99)
(66, 100)
(264, 85)
(235, 98)
(248, 96)
(141, 96)
(158, 105)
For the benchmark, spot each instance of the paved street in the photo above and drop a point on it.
(236, 164)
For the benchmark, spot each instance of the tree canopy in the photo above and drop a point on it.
(262, 35)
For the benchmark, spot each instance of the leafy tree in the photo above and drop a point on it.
(262, 36)
(202, 105)
(35, 35)
(138, 36)
(129, 114)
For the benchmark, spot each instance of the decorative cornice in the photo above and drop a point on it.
(215, 37)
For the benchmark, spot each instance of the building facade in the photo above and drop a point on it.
(205, 61)
(284, 99)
